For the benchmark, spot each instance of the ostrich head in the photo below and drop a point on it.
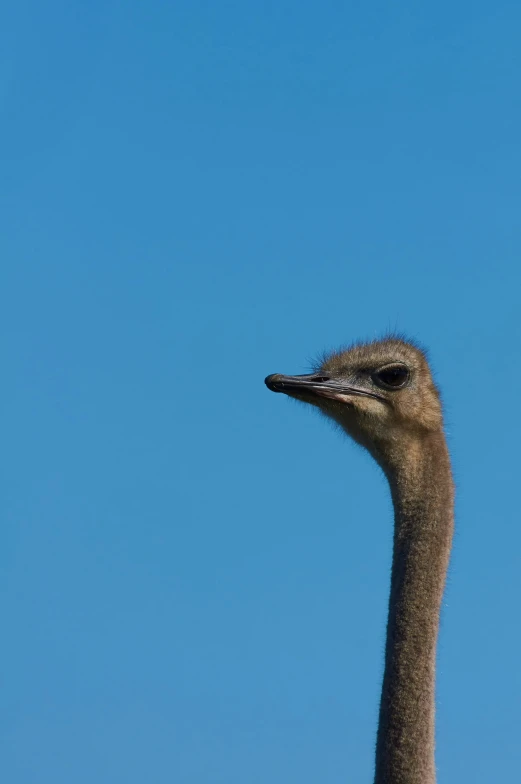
(381, 394)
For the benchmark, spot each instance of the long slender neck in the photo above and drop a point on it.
(422, 492)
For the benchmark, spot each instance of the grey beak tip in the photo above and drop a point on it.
(270, 382)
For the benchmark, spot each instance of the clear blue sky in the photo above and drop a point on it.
(194, 572)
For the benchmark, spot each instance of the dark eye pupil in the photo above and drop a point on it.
(393, 376)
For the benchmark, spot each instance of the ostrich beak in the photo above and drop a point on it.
(315, 385)
(279, 383)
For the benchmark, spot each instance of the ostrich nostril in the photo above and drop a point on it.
(320, 379)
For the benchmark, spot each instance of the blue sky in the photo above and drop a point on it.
(194, 572)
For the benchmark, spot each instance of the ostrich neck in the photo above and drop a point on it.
(422, 491)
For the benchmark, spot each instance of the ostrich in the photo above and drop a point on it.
(383, 396)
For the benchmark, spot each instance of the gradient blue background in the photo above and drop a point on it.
(194, 572)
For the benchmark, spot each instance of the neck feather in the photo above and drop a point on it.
(422, 491)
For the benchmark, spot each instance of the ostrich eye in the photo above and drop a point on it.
(392, 376)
